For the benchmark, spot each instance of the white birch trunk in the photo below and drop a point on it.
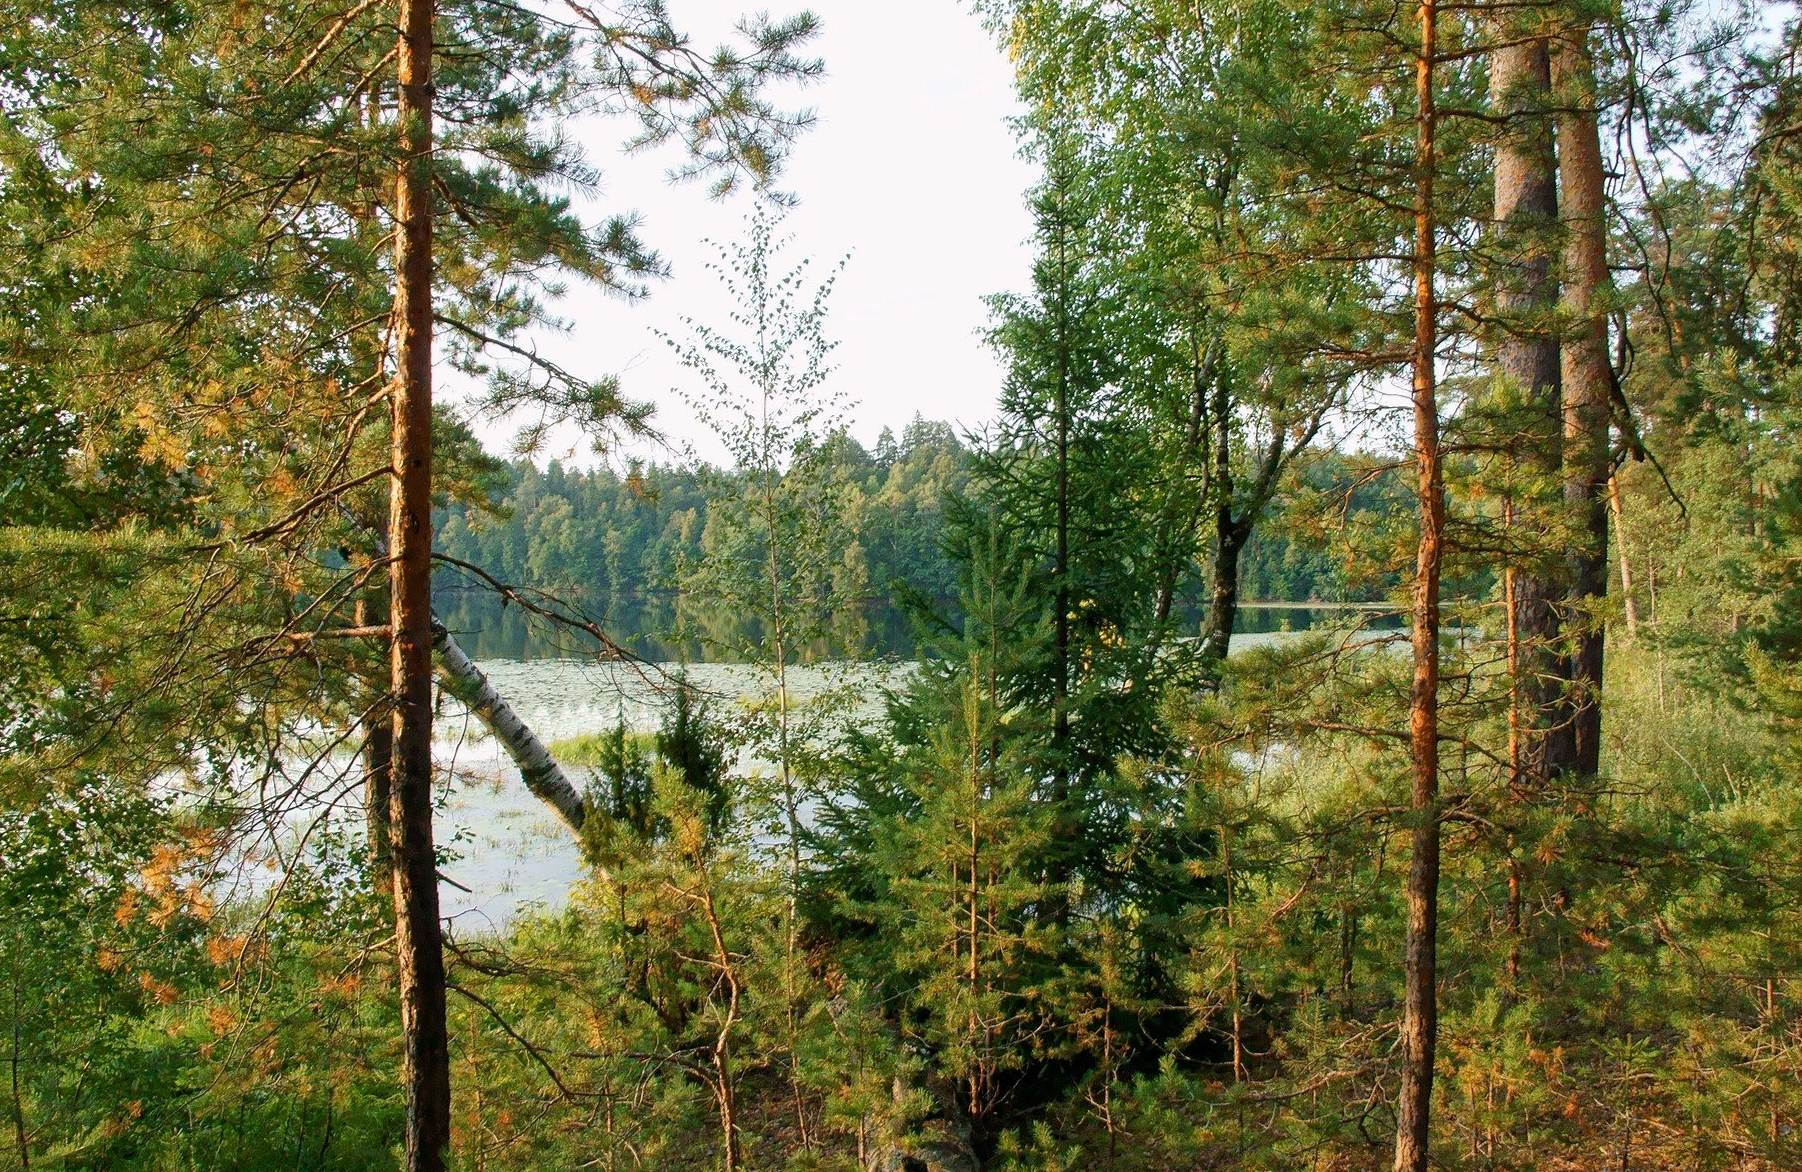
(544, 777)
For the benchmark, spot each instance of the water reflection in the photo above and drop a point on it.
(658, 630)
(511, 853)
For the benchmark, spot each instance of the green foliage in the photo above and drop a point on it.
(697, 750)
(628, 547)
(623, 764)
(944, 850)
(618, 546)
(150, 1029)
(1074, 898)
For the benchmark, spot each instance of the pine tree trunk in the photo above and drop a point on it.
(973, 915)
(1420, 1000)
(1064, 827)
(1526, 213)
(1061, 622)
(378, 757)
(1588, 389)
(419, 947)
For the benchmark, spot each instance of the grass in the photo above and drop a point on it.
(590, 748)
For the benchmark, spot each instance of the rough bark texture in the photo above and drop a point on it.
(418, 945)
(1229, 538)
(1526, 355)
(543, 776)
(1588, 379)
(1420, 1000)
(378, 757)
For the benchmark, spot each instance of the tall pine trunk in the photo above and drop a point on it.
(1588, 391)
(1065, 827)
(1526, 354)
(419, 948)
(1420, 1007)
(378, 757)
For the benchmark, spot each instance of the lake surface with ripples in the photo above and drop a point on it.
(511, 853)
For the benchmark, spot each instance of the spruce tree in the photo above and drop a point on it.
(941, 852)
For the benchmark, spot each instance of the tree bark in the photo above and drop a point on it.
(1236, 515)
(1230, 537)
(1060, 732)
(1526, 354)
(1420, 998)
(1629, 606)
(1064, 827)
(378, 758)
(1588, 378)
(540, 771)
(419, 946)
(460, 678)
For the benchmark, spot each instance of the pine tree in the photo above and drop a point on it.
(1526, 356)
(231, 292)
(1588, 385)
(941, 850)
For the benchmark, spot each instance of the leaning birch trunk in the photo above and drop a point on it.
(460, 677)
(544, 776)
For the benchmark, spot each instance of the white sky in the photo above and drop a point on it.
(911, 169)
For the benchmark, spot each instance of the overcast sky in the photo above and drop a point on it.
(912, 170)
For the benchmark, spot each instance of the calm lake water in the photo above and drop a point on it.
(512, 854)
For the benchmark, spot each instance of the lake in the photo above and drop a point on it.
(513, 854)
(660, 631)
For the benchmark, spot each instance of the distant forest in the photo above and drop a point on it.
(617, 543)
